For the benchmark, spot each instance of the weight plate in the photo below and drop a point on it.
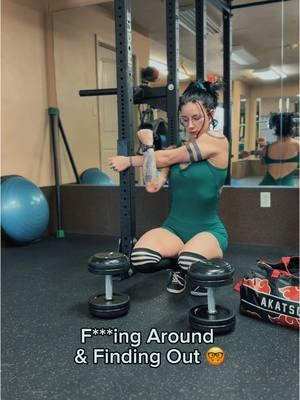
(222, 321)
(100, 307)
(109, 314)
(118, 300)
(108, 263)
(211, 273)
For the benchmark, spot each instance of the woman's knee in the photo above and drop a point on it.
(204, 245)
(149, 240)
(155, 250)
(162, 241)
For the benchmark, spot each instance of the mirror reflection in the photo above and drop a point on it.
(265, 147)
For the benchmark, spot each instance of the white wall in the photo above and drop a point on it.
(25, 132)
(31, 78)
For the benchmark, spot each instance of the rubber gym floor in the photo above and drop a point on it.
(45, 289)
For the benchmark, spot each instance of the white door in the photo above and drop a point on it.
(108, 109)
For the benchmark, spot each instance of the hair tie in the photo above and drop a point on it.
(201, 86)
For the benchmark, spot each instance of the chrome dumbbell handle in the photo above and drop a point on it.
(108, 287)
(211, 304)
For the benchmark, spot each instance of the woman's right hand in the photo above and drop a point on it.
(145, 136)
(119, 163)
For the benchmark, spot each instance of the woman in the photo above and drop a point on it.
(196, 170)
(282, 156)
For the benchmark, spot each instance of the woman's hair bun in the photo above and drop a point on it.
(203, 87)
(204, 91)
(283, 122)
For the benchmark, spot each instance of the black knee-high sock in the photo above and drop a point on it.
(187, 258)
(147, 260)
(144, 260)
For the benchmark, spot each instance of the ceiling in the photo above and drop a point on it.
(269, 32)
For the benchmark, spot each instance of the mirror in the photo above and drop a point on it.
(265, 83)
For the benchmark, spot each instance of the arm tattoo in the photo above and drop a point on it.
(196, 147)
(188, 147)
(148, 167)
(150, 171)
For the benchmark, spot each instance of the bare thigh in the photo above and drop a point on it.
(164, 242)
(204, 244)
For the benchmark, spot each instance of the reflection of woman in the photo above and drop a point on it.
(197, 170)
(282, 156)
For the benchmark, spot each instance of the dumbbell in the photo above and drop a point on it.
(109, 304)
(211, 274)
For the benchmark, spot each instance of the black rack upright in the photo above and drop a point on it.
(172, 25)
(125, 121)
(227, 47)
(200, 23)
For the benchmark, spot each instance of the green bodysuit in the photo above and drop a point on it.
(287, 180)
(194, 201)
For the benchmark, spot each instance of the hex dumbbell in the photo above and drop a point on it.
(211, 274)
(109, 304)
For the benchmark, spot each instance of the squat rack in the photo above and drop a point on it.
(167, 97)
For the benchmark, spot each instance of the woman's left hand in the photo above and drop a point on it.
(119, 163)
(145, 136)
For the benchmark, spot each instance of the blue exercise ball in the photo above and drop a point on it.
(93, 176)
(24, 209)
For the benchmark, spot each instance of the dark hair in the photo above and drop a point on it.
(283, 123)
(202, 91)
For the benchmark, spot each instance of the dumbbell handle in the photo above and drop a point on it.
(211, 304)
(108, 287)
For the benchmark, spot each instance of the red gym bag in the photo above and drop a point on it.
(271, 292)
